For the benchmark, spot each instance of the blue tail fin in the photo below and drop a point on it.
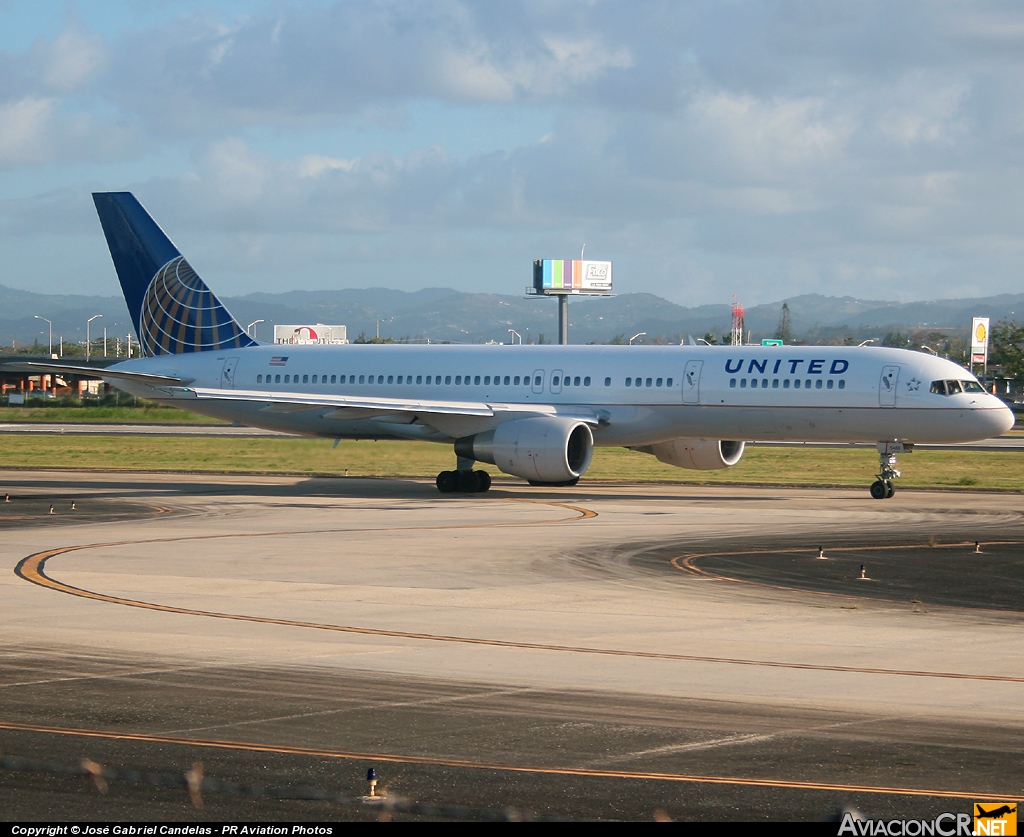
(172, 309)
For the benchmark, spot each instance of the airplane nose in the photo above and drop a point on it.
(1003, 419)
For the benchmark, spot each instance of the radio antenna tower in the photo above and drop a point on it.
(737, 322)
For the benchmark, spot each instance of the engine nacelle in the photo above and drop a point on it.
(542, 449)
(697, 454)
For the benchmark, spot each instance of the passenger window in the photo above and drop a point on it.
(361, 379)
(554, 381)
(817, 384)
(259, 379)
(732, 383)
(785, 384)
(536, 381)
(753, 383)
(576, 381)
(668, 383)
(743, 383)
(333, 378)
(277, 379)
(807, 384)
(314, 379)
(658, 382)
(305, 379)
(458, 380)
(607, 382)
(391, 379)
(764, 383)
(476, 380)
(830, 383)
(516, 382)
(448, 379)
(796, 383)
(648, 382)
(399, 380)
(842, 384)
(487, 380)
(506, 380)
(629, 382)
(419, 379)
(775, 383)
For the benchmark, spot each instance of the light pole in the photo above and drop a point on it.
(88, 323)
(386, 319)
(515, 334)
(50, 345)
(638, 334)
(253, 323)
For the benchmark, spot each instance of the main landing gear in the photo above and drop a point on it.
(882, 488)
(463, 482)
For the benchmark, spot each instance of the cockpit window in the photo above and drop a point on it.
(955, 387)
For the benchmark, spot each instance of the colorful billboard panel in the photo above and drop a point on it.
(572, 276)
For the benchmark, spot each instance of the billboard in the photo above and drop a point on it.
(979, 340)
(316, 334)
(578, 276)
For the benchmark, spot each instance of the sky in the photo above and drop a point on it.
(762, 149)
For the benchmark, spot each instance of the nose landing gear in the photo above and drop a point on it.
(882, 488)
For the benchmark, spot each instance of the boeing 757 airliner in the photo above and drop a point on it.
(535, 412)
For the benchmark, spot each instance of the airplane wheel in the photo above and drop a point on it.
(483, 481)
(446, 482)
(466, 482)
(890, 489)
(879, 490)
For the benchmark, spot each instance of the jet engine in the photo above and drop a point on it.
(697, 454)
(541, 450)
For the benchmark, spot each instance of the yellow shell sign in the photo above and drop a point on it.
(980, 333)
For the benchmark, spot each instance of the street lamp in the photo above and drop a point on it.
(386, 319)
(638, 334)
(253, 323)
(50, 345)
(105, 338)
(515, 334)
(88, 323)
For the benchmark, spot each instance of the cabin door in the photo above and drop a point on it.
(691, 381)
(227, 375)
(887, 386)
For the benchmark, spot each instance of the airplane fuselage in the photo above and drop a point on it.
(637, 395)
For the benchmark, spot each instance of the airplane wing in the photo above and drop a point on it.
(95, 372)
(346, 407)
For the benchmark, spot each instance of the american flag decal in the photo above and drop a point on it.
(278, 361)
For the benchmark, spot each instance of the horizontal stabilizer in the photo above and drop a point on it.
(94, 372)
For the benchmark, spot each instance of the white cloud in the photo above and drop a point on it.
(24, 130)
(71, 60)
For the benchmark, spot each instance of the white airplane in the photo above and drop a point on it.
(535, 412)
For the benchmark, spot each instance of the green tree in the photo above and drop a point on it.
(1006, 348)
(784, 332)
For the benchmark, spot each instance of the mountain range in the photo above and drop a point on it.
(443, 314)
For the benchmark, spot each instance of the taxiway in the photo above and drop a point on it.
(601, 651)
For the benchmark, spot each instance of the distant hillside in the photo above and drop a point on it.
(441, 314)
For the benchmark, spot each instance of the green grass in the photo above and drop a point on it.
(760, 466)
(148, 413)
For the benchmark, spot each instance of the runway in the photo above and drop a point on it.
(602, 651)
